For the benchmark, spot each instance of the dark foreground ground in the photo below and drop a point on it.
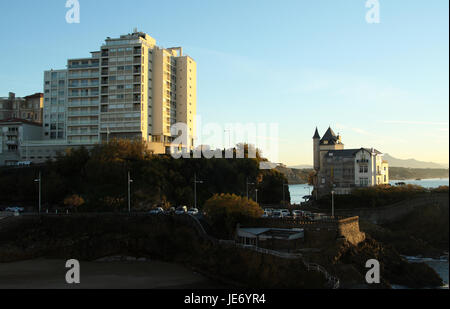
(50, 274)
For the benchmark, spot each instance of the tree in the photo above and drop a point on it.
(225, 211)
(74, 201)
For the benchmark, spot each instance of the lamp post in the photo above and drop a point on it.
(332, 204)
(256, 192)
(195, 189)
(129, 191)
(39, 180)
(248, 183)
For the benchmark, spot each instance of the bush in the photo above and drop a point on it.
(378, 196)
(74, 201)
(225, 211)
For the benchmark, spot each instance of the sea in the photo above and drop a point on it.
(298, 192)
(426, 183)
(439, 265)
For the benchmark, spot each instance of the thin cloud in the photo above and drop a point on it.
(416, 122)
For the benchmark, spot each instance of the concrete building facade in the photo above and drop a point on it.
(14, 133)
(341, 170)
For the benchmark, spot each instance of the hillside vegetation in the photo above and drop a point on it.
(401, 173)
(378, 196)
(96, 180)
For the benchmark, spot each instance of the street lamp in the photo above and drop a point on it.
(195, 189)
(129, 191)
(332, 203)
(248, 183)
(39, 180)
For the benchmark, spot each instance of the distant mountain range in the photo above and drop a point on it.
(394, 162)
(411, 163)
(301, 167)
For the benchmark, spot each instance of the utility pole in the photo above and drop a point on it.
(39, 180)
(195, 189)
(129, 191)
(332, 204)
(248, 183)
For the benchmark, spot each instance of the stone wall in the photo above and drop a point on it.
(318, 232)
(392, 213)
(349, 228)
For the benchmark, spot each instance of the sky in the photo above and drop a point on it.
(296, 64)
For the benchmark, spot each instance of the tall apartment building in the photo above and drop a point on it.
(129, 89)
(28, 108)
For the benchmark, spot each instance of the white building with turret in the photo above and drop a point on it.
(341, 170)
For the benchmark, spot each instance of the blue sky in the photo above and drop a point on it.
(297, 63)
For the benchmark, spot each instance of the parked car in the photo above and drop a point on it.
(265, 214)
(297, 213)
(171, 210)
(15, 209)
(181, 210)
(277, 214)
(269, 211)
(193, 211)
(286, 213)
(156, 211)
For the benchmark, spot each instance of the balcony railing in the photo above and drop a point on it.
(83, 66)
(90, 113)
(82, 132)
(86, 122)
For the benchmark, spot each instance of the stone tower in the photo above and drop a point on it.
(316, 150)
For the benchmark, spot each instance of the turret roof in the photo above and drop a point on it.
(329, 136)
(316, 135)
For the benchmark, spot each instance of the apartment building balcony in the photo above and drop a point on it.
(83, 75)
(83, 113)
(83, 103)
(84, 95)
(12, 142)
(82, 123)
(82, 132)
(84, 85)
(84, 66)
